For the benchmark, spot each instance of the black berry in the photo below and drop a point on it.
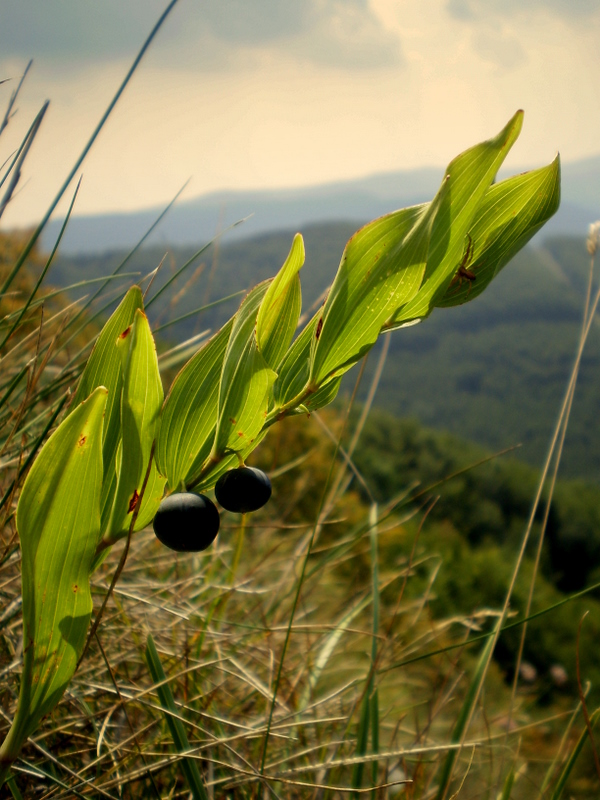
(243, 489)
(186, 522)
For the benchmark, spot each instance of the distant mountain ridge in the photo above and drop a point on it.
(194, 221)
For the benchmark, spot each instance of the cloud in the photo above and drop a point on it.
(573, 10)
(344, 33)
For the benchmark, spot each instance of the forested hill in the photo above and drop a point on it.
(493, 371)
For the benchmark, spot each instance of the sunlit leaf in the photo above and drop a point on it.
(58, 519)
(280, 309)
(141, 401)
(512, 211)
(382, 268)
(468, 178)
(104, 369)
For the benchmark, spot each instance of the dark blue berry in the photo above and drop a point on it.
(243, 489)
(186, 522)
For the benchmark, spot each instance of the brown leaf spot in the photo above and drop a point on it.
(232, 420)
(82, 441)
(240, 433)
(75, 588)
(133, 502)
(125, 333)
(319, 328)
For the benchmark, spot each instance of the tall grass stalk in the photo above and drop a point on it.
(42, 224)
(556, 436)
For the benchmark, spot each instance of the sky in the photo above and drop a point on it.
(257, 94)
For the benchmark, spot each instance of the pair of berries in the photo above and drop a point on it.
(189, 522)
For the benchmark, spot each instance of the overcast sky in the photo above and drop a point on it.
(279, 93)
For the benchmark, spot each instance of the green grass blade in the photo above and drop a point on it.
(38, 443)
(374, 698)
(14, 382)
(508, 785)
(330, 643)
(117, 271)
(198, 310)
(369, 716)
(13, 788)
(65, 289)
(568, 767)
(362, 740)
(36, 234)
(188, 263)
(20, 157)
(13, 98)
(466, 713)
(49, 261)
(189, 767)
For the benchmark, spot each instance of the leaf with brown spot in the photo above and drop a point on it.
(58, 520)
(133, 502)
(103, 368)
(141, 402)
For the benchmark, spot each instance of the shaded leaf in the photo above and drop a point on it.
(294, 369)
(58, 519)
(189, 415)
(280, 309)
(141, 401)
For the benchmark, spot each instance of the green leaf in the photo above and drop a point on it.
(468, 178)
(189, 416)
(323, 396)
(104, 369)
(141, 401)
(280, 309)
(382, 268)
(512, 211)
(294, 369)
(246, 381)
(58, 519)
